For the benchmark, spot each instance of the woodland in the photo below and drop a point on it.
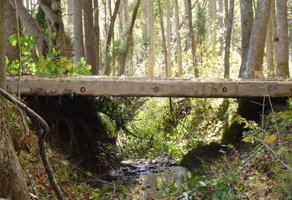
(108, 147)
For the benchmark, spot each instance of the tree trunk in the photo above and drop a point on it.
(283, 42)
(188, 46)
(12, 182)
(212, 14)
(152, 39)
(246, 12)
(274, 30)
(178, 41)
(269, 51)
(221, 27)
(162, 34)
(70, 14)
(193, 45)
(90, 44)
(226, 11)
(32, 27)
(256, 48)
(54, 16)
(228, 39)
(168, 66)
(145, 21)
(12, 52)
(97, 34)
(109, 38)
(78, 31)
(123, 56)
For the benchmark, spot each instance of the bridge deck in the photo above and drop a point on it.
(149, 87)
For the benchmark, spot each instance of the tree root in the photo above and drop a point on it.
(42, 135)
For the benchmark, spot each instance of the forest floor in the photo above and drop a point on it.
(259, 168)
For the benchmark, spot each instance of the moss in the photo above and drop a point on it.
(202, 153)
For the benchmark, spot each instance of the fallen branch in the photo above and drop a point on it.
(42, 135)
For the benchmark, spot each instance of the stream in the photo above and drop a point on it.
(151, 178)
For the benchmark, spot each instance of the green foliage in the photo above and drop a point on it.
(51, 65)
(41, 18)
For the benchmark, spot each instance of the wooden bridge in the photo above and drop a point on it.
(149, 87)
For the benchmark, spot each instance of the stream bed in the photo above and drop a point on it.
(151, 178)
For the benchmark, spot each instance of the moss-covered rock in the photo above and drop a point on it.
(202, 153)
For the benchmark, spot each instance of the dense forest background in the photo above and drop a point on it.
(235, 148)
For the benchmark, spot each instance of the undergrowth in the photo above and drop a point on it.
(248, 171)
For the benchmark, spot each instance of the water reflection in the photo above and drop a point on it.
(168, 183)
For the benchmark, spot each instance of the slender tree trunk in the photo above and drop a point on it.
(152, 39)
(126, 13)
(283, 42)
(97, 35)
(226, 11)
(123, 56)
(78, 30)
(274, 31)
(162, 34)
(90, 43)
(178, 41)
(145, 21)
(255, 54)
(212, 14)
(12, 182)
(228, 39)
(221, 27)
(193, 45)
(269, 51)
(109, 38)
(188, 46)
(121, 21)
(246, 11)
(168, 66)
(70, 14)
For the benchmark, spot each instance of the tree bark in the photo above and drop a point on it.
(255, 54)
(193, 45)
(228, 39)
(274, 30)
(221, 27)
(269, 51)
(152, 39)
(12, 182)
(145, 21)
(283, 42)
(32, 27)
(70, 14)
(78, 31)
(109, 38)
(186, 3)
(12, 52)
(168, 33)
(162, 34)
(97, 34)
(178, 41)
(246, 12)
(212, 14)
(90, 44)
(54, 16)
(123, 56)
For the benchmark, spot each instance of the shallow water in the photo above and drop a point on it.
(152, 178)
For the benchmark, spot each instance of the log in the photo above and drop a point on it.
(149, 87)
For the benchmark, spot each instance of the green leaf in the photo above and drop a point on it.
(13, 40)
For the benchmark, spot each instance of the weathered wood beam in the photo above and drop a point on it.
(146, 87)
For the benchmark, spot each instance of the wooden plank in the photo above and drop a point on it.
(143, 87)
